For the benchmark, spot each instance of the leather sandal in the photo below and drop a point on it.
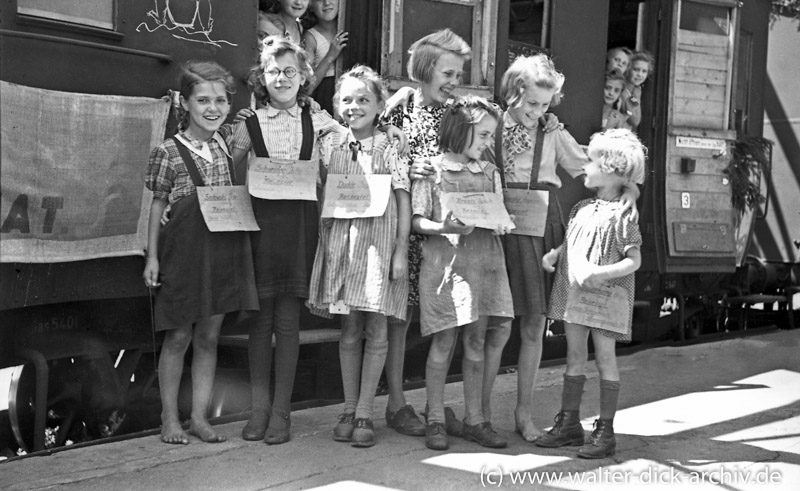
(278, 430)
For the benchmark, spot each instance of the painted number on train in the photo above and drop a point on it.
(56, 323)
(686, 200)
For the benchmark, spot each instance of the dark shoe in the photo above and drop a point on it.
(484, 435)
(363, 434)
(454, 425)
(436, 436)
(405, 421)
(256, 426)
(567, 430)
(278, 430)
(344, 429)
(602, 442)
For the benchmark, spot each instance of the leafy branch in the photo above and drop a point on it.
(751, 156)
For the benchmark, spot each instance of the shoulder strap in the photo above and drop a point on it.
(229, 158)
(498, 153)
(537, 156)
(256, 137)
(189, 162)
(308, 134)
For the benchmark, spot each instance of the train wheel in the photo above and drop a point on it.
(21, 396)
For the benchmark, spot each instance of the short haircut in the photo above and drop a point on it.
(459, 119)
(644, 56)
(272, 48)
(195, 72)
(426, 51)
(367, 75)
(619, 151)
(526, 71)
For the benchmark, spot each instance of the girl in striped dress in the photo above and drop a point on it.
(360, 268)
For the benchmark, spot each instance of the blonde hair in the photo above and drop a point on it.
(371, 79)
(619, 151)
(273, 48)
(426, 51)
(646, 57)
(526, 71)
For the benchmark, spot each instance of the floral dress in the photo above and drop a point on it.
(421, 126)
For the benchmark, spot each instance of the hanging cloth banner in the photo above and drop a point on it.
(72, 173)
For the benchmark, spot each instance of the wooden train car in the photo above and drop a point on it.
(707, 93)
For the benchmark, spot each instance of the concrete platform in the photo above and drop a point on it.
(720, 415)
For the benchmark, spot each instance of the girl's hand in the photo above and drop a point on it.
(402, 142)
(398, 99)
(551, 123)
(549, 260)
(628, 200)
(502, 230)
(150, 274)
(452, 225)
(165, 215)
(338, 43)
(307, 100)
(243, 114)
(421, 169)
(399, 263)
(586, 275)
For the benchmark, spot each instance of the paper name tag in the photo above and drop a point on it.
(339, 308)
(226, 208)
(484, 210)
(356, 195)
(605, 308)
(529, 208)
(269, 178)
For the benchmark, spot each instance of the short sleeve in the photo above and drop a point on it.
(627, 233)
(398, 167)
(422, 198)
(160, 175)
(569, 154)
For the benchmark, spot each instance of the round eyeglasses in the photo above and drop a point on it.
(289, 72)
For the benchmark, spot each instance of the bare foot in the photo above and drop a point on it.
(172, 433)
(204, 431)
(526, 428)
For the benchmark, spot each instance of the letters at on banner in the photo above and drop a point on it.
(529, 208)
(605, 307)
(483, 210)
(356, 195)
(226, 208)
(269, 178)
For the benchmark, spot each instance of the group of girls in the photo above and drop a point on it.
(626, 72)
(370, 268)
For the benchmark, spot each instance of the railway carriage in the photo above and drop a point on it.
(76, 336)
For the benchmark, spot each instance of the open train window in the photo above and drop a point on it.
(527, 28)
(405, 21)
(91, 13)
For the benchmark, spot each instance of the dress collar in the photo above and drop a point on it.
(450, 165)
(200, 147)
(273, 112)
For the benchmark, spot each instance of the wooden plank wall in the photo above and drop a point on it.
(700, 80)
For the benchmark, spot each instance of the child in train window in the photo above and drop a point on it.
(613, 117)
(283, 20)
(324, 43)
(594, 288)
(619, 59)
(631, 98)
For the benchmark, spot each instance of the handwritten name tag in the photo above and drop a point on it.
(269, 178)
(356, 195)
(484, 210)
(529, 208)
(226, 208)
(605, 308)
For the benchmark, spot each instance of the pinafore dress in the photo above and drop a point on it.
(283, 250)
(462, 277)
(202, 273)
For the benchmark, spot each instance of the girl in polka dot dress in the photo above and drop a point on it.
(593, 289)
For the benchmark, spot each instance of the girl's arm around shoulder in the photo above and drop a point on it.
(569, 154)
(400, 252)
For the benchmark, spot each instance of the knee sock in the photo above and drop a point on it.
(350, 360)
(435, 377)
(287, 350)
(371, 369)
(572, 392)
(609, 395)
(472, 372)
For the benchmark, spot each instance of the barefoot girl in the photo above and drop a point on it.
(463, 280)
(600, 253)
(201, 274)
(361, 262)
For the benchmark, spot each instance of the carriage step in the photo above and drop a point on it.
(310, 336)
